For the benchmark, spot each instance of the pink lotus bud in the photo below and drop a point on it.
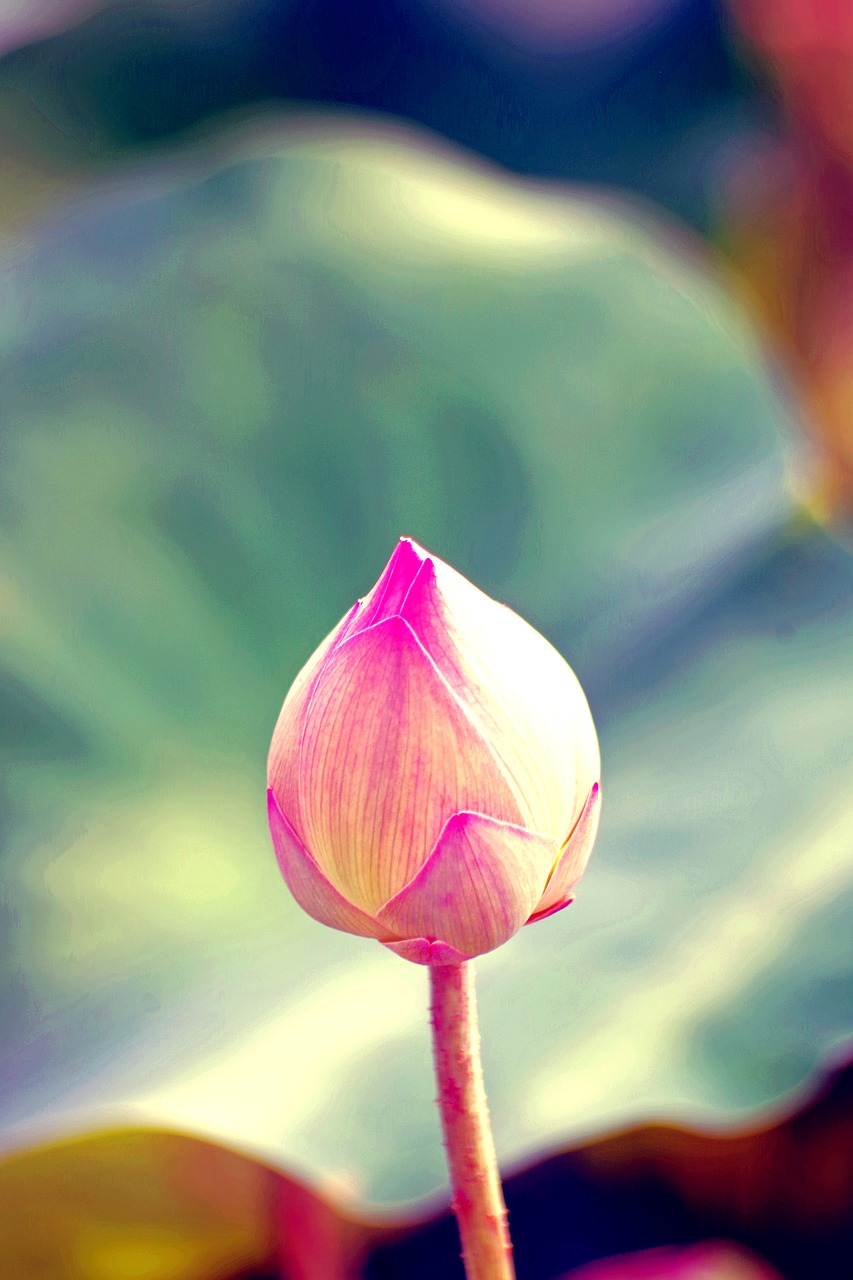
(433, 776)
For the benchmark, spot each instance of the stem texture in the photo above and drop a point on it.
(477, 1196)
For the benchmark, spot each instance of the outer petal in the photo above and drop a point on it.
(520, 691)
(387, 597)
(388, 755)
(573, 859)
(283, 762)
(476, 889)
(314, 893)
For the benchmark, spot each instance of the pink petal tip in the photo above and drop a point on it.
(549, 911)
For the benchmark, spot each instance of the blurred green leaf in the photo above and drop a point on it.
(221, 406)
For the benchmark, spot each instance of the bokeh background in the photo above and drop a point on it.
(565, 291)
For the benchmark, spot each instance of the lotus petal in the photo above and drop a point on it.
(311, 889)
(518, 688)
(388, 754)
(476, 889)
(387, 598)
(572, 860)
(283, 762)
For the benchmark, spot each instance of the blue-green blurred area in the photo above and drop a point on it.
(229, 383)
(649, 95)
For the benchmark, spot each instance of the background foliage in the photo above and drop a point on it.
(235, 367)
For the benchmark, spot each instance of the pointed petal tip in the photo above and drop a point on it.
(406, 540)
(408, 555)
(589, 810)
(386, 596)
(549, 911)
(421, 608)
(272, 804)
(415, 555)
(276, 818)
(427, 951)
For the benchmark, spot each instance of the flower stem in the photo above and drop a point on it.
(477, 1196)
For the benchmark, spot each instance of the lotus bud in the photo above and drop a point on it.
(433, 775)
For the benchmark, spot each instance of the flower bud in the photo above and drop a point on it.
(433, 776)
